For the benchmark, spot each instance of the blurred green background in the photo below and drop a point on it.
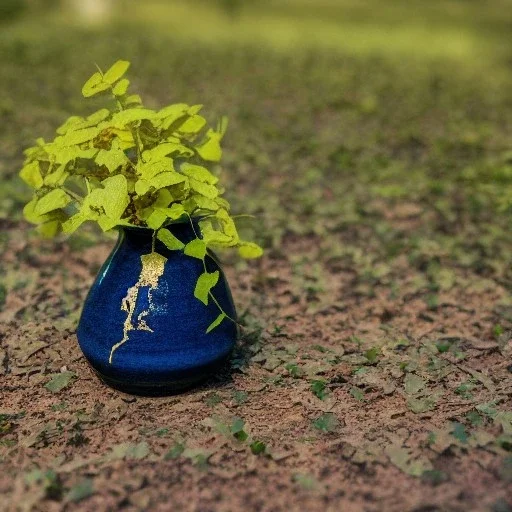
(339, 110)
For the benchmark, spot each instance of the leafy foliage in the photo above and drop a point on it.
(133, 166)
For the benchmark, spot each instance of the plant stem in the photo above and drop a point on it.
(75, 196)
(206, 270)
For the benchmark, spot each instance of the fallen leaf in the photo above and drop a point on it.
(404, 460)
(80, 491)
(59, 381)
(413, 384)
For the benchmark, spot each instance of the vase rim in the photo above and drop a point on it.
(143, 229)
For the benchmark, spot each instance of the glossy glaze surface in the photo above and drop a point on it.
(150, 313)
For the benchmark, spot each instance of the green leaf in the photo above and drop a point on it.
(294, 370)
(212, 237)
(196, 248)
(194, 109)
(112, 158)
(169, 240)
(198, 456)
(94, 85)
(204, 284)
(413, 384)
(150, 169)
(31, 175)
(175, 452)
(49, 480)
(134, 100)
(165, 149)
(57, 177)
(372, 355)
(424, 404)
(50, 229)
(222, 126)
(95, 118)
(121, 87)
(474, 418)
(459, 432)
(75, 137)
(175, 211)
(132, 115)
(209, 191)
(250, 250)
(504, 419)
(166, 179)
(216, 322)
(114, 196)
(228, 225)
(237, 429)
(237, 425)
(164, 198)
(327, 422)
(66, 154)
(112, 199)
(59, 381)
(156, 219)
(306, 481)
(193, 124)
(203, 203)
(73, 223)
(258, 447)
(116, 71)
(319, 388)
(171, 114)
(176, 110)
(142, 187)
(357, 394)
(160, 215)
(402, 459)
(70, 123)
(198, 173)
(78, 123)
(80, 491)
(138, 451)
(241, 436)
(211, 150)
(54, 200)
(128, 451)
(30, 214)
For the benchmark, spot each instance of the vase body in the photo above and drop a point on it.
(145, 308)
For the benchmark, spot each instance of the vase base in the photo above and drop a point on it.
(164, 388)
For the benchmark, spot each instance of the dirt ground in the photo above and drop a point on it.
(374, 369)
(393, 426)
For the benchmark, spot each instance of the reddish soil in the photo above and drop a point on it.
(99, 449)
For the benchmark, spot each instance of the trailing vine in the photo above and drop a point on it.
(139, 167)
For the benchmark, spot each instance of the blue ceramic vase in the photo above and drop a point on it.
(141, 329)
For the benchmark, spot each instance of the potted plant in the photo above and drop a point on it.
(159, 315)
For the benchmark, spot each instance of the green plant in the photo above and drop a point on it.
(134, 166)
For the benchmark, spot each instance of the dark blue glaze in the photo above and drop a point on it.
(178, 353)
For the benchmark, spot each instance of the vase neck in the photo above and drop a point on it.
(142, 238)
